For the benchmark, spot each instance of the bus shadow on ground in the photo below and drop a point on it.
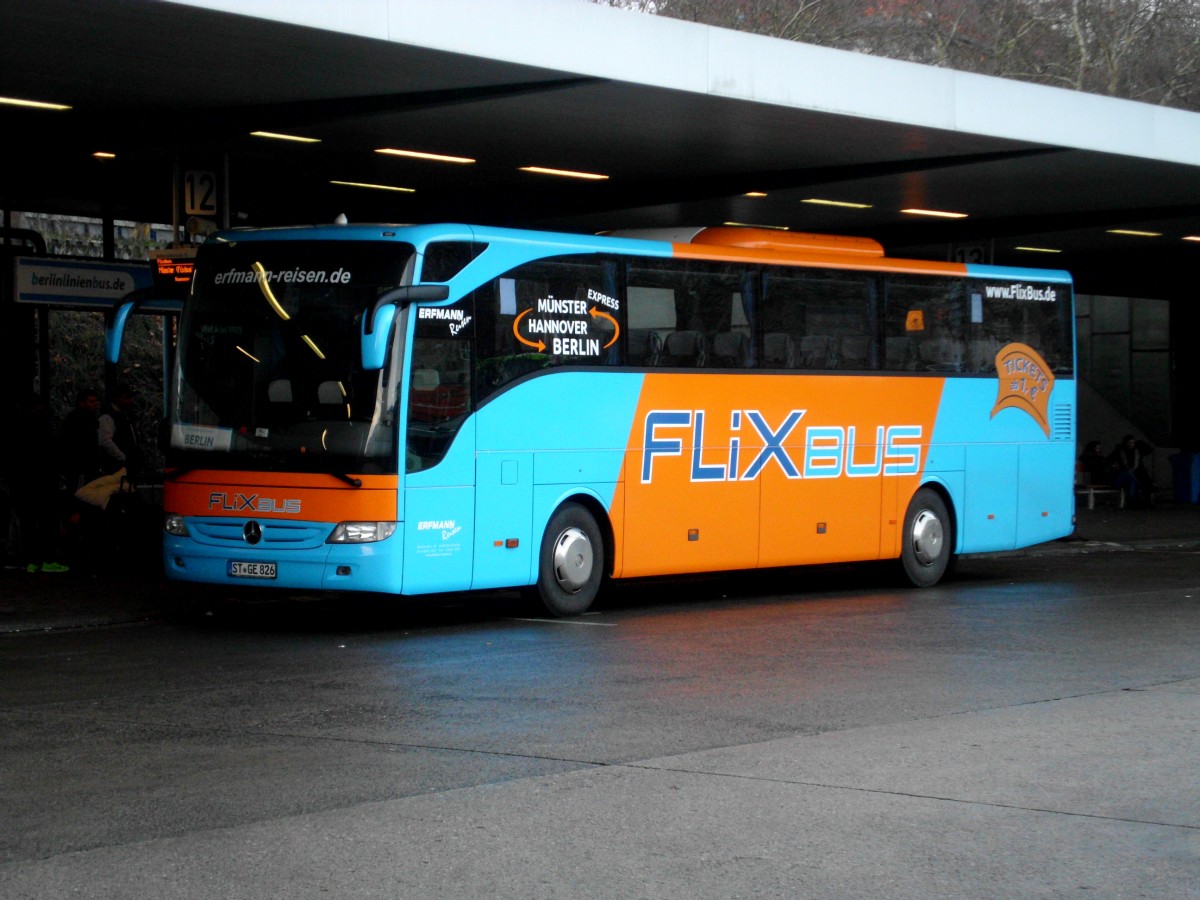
(291, 612)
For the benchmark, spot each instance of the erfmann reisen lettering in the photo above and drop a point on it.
(830, 451)
(283, 276)
(443, 313)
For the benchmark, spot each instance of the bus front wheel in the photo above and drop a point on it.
(571, 562)
(928, 539)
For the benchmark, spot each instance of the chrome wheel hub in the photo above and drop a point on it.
(572, 560)
(927, 537)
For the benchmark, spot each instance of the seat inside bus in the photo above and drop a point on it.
(730, 350)
(683, 348)
(779, 350)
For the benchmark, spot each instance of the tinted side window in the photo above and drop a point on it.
(687, 314)
(553, 312)
(925, 324)
(1033, 313)
(445, 259)
(439, 384)
(817, 320)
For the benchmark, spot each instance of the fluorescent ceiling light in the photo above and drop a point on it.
(104, 154)
(754, 194)
(1193, 237)
(376, 187)
(33, 104)
(939, 213)
(416, 154)
(274, 135)
(846, 203)
(1038, 249)
(565, 173)
(749, 225)
(1131, 232)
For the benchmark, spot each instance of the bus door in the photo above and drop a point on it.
(439, 452)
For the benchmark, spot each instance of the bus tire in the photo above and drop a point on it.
(571, 561)
(927, 540)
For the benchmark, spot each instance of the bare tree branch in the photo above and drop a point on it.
(1145, 50)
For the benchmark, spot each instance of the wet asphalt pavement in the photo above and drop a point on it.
(1031, 727)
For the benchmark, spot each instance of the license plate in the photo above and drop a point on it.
(252, 569)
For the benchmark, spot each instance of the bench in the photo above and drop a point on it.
(1085, 488)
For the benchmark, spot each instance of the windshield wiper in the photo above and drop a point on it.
(349, 479)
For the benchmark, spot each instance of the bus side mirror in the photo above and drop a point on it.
(114, 330)
(375, 342)
(377, 323)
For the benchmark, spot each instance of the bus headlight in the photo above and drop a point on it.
(361, 532)
(173, 524)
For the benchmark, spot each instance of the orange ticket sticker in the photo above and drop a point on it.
(1025, 383)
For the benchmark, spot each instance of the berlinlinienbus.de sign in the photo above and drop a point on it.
(77, 282)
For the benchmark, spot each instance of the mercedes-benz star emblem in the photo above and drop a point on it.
(252, 532)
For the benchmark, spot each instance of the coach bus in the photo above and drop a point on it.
(422, 409)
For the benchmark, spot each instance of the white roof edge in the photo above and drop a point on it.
(584, 38)
(682, 234)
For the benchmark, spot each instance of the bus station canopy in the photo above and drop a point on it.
(691, 125)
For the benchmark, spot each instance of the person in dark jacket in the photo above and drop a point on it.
(79, 441)
(119, 445)
(1130, 472)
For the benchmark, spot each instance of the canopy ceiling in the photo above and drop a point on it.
(684, 120)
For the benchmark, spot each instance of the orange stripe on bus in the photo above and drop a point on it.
(305, 497)
(283, 479)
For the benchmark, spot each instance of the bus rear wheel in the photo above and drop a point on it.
(928, 539)
(571, 561)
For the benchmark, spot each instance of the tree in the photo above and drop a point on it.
(1146, 50)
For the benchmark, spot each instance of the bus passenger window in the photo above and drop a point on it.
(925, 323)
(643, 346)
(779, 350)
(814, 352)
(1034, 314)
(822, 314)
(650, 316)
(445, 259)
(562, 311)
(730, 350)
(683, 349)
(855, 352)
(683, 313)
(439, 384)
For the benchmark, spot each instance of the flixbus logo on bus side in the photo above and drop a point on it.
(830, 451)
(252, 502)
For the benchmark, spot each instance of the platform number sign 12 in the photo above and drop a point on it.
(199, 193)
(971, 253)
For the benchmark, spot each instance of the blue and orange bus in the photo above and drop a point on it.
(423, 409)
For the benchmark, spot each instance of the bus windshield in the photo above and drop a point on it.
(268, 374)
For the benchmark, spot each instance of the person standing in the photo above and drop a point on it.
(79, 440)
(1129, 460)
(118, 442)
